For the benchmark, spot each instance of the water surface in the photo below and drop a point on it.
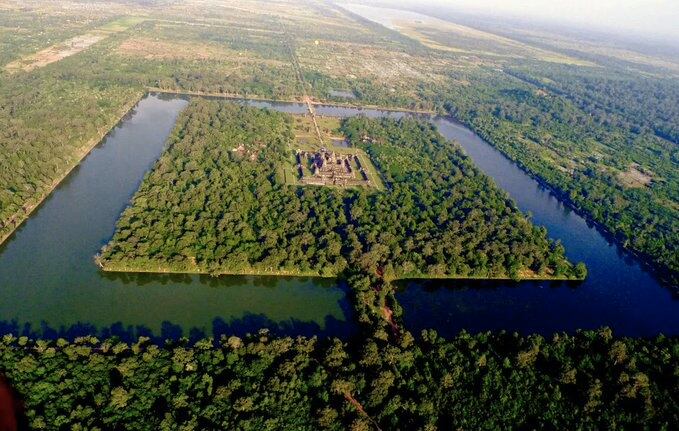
(50, 286)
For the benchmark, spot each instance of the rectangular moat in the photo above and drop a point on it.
(51, 286)
(49, 282)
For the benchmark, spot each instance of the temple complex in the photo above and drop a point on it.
(324, 167)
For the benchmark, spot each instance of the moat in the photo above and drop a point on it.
(51, 287)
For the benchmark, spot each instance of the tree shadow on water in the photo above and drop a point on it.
(249, 323)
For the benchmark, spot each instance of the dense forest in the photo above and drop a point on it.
(441, 215)
(215, 202)
(383, 379)
(639, 104)
(603, 138)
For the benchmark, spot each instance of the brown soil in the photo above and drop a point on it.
(354, 402)
(56, 52)
(388, 315)
(634, 178)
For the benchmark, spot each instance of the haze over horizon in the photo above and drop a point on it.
(653, 18)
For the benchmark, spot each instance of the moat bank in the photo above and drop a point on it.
(50, 283)
(619, 292)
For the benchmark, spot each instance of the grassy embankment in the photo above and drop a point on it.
(11, 224)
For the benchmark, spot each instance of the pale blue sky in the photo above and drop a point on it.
(653, 17)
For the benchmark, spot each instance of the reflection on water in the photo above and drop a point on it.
(618, 292)
(50, 286)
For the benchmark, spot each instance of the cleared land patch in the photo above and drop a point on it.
(331, 162)
(70, 47)
(338, 59)
(56, 52)
(635, 178)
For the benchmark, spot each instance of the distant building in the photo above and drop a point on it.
(330, 168)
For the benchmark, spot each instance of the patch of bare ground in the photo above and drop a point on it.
(72, 46)
(634, 177)
(337, 59)
(55, 53)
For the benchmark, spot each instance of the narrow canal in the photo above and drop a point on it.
(50, 286)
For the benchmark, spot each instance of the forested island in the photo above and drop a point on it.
(216, 202)
(587, 125)
(594, 122)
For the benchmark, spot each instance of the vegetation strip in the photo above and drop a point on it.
(22, 215)
(216, 203)
(484, 381)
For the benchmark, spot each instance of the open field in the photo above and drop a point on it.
(332, 139)
(71, 47)
(305, 131)
(635, 178)
(456, 38)
(55, 53)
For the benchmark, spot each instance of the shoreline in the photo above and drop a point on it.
(164, 270)
(27, 209)
(663, 273)
(168, 271)
(234, 96)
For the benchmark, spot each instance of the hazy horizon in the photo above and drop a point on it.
(653, 18)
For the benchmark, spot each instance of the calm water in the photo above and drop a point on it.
(51, 287)
(49, 284)
(617, 293)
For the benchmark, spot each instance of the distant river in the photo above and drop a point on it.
(51, 287)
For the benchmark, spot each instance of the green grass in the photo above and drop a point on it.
(122, 24)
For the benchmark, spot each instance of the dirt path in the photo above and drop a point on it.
(387, 312)
(294, 60)
(354, 402)
(388, 315)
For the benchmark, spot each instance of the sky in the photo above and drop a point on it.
(650, 17)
